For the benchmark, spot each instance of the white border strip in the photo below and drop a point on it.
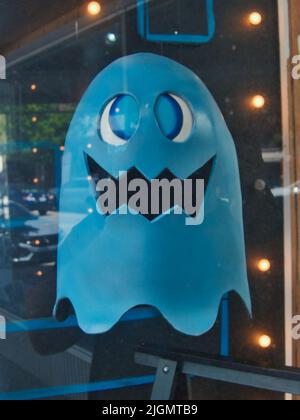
(284, 37)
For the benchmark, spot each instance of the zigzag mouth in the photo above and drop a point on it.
(98, 173)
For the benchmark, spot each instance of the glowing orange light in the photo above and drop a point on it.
(94, 8)
(258, 101)
(34, 119)
(33, 87)
(36, 180)
(37, 242)
(264, 341)
(39, 274)
(264, 265)
(255, 18)
(34, 150)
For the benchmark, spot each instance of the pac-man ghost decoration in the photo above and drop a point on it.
(149, 118)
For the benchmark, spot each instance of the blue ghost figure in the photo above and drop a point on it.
(149, 113)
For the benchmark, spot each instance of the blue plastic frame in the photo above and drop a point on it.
(144, 27)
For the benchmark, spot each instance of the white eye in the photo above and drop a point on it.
(119, 120)
(174, 117)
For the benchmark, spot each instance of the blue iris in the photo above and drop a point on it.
(169, 116)
(124, 116)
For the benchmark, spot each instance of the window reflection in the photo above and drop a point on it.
(37, 102)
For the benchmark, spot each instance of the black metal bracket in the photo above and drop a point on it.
(164, 380)
(168, 363)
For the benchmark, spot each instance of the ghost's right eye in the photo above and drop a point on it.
(119, 120)
(174, 117)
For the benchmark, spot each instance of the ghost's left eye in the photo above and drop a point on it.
(174, 117)
(119, 120)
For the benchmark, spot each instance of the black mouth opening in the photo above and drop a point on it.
(98, 173)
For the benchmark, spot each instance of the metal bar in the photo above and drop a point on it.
(285, 380)
(164, 380)
(259, 381)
